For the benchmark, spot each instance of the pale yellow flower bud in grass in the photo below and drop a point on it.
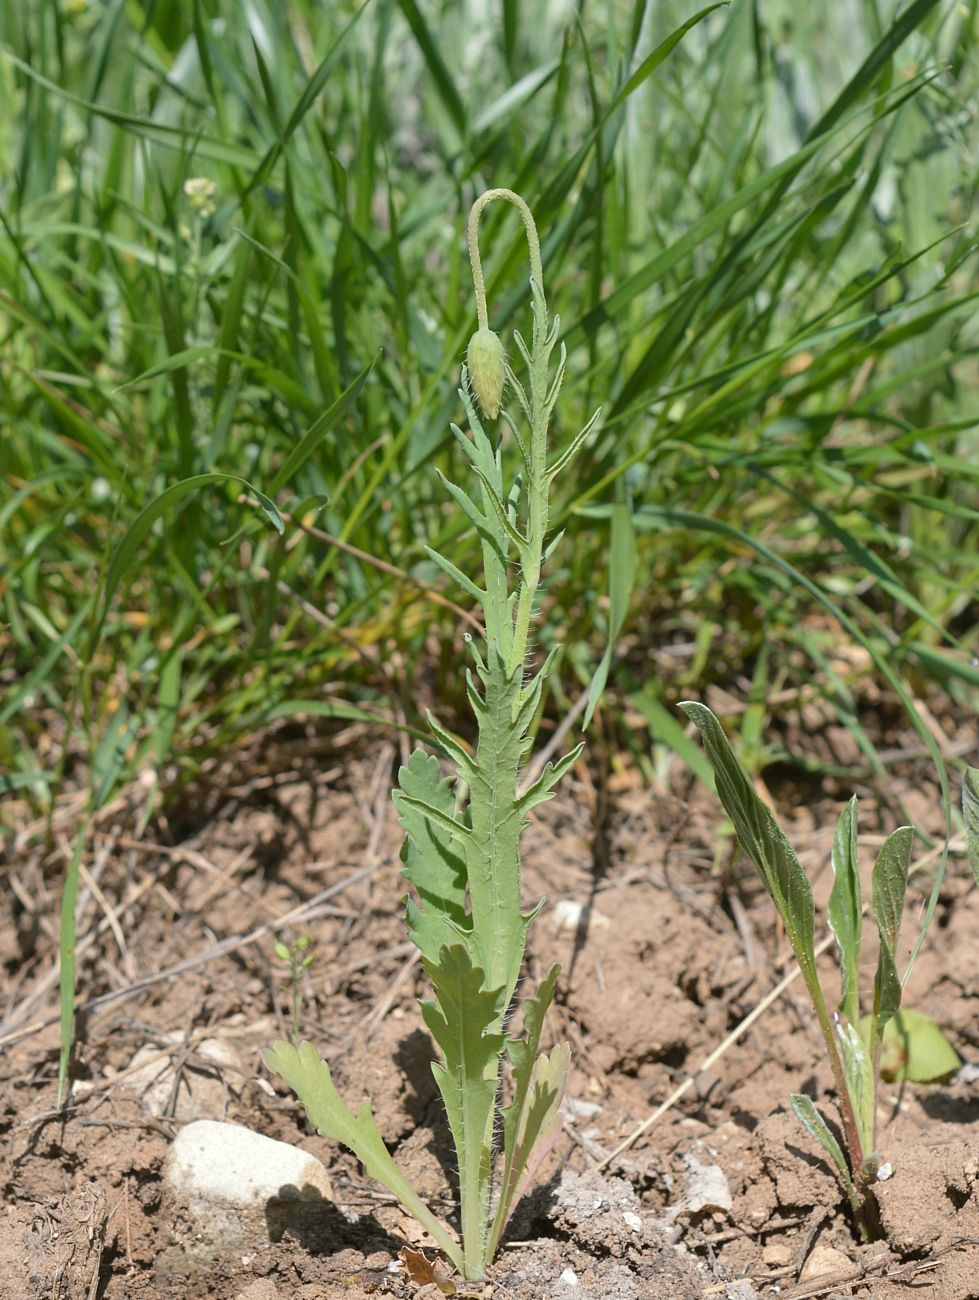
(487, 370)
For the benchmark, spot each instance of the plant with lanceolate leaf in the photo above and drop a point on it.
(853, 1042)
(462, 854)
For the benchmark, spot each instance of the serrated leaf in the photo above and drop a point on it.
(432, 863)
(844, 912)
(889, 885)
(762, 839)
(309, 1078)
(915, 1050)
(970, 811)
(814, 1124)
(462, 1019)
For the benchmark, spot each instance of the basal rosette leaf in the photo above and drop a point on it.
(461, 1019)
(309, 1077)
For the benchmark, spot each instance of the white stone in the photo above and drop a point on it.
(632, 1221)
(226, 1177)
(201, 1090)
(569, 1277)
(579, 1109)
(825, 1262)
(569, 915)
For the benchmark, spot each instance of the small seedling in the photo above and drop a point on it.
(853, 1044)
(462, 855)
(300, 959)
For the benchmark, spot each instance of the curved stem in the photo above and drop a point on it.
(533, 246)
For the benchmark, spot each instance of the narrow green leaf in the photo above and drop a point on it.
(860, 1080)
(762, 839)
(457, 575)
(970, 811)
(125, 552)
(814, 1124)
(543, 788)
(318, 431)
(438, 816)
(309, 1077)
(67, 957)
(652, 61)
(845, 909)
(437, 67)
(466, 504)
(500, 510)
(622, 576)
(889, 885)
(565, 458)
(305, 102)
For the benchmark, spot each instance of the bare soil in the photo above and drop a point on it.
(666, 941)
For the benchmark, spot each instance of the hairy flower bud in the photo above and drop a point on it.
(487, 370)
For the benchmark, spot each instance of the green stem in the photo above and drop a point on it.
(533, 244)
(860, 1198)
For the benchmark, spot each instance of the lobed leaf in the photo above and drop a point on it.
(432, 863)
(463, 1019)
(309, 1077)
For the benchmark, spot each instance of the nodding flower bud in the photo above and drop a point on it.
(487, 370)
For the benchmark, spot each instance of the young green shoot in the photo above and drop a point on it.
(462, 831)
(853, 1041)
(299, 959)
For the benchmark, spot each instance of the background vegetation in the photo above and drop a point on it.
(761, 243)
